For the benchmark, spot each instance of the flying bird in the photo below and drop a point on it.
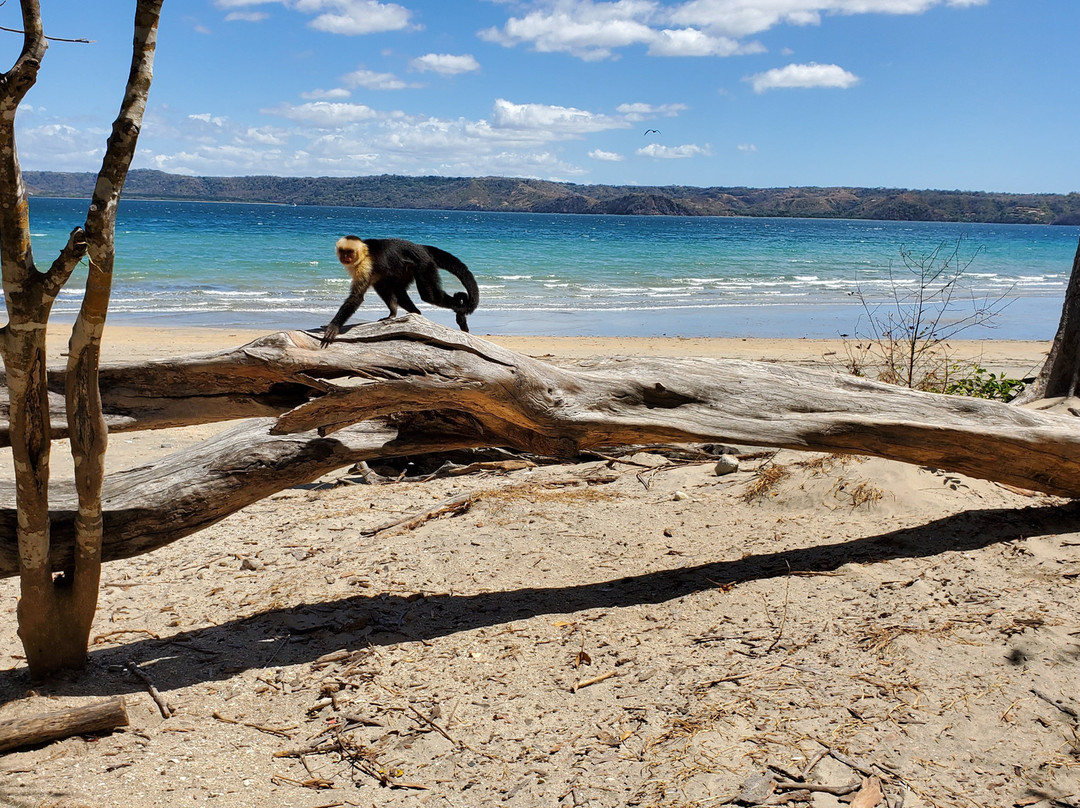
(650, 131)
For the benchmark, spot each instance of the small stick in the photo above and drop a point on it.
(51, 38)
(1069, 711)
(281, 732)
(783, 616)
(108, 635)
(836, 791)
(433, 725)
(316, 783)
(860, 767)
(814, 761)
(319, 748)
(457, 505)
(155, 694)
(586, 682)
(453, 505)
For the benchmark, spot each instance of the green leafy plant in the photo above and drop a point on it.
(981, 383)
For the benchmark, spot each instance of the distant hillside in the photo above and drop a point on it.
(539, 196)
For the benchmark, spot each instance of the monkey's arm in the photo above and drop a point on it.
(347, 310)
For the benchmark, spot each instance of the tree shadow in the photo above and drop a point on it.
(301, 634)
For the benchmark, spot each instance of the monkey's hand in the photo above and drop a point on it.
(329, 333)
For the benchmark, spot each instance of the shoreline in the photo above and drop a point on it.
(1031, 318)
(1016, 358)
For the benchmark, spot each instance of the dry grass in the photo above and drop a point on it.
(765, 482)
(577, 495)
(770, 475)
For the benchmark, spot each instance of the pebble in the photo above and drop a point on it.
(726, 464)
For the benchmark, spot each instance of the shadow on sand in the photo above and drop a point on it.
(302, 634)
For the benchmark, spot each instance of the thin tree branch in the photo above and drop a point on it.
(51, 38)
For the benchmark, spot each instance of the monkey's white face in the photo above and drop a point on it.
(354, 256)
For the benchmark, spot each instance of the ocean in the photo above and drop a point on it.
(273, 267)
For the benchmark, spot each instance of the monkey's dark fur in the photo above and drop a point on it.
(390, 265)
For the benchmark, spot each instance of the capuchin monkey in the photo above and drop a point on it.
(390, 265)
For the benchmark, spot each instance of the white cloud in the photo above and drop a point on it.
(747, 148)
(265, 136)
(350, 17)
(740, 18)
(803, 76)
(246, 16)
(325, 95)
(693, 42)
(371, 80)
(355, 17)
(424, 145)
(323, 113)
(61, 147)
(206, 117)
(445, 63)
(552, 120)
(581, 27)
(674, 152)
(606, 156)
(594, 30)
(643, 112)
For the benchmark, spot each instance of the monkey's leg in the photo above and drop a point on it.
(406, 302)
(347, 310)
(430, 289)
(394, 294)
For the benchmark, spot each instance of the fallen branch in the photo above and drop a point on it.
(452, 506)
(54, 726)
(164, 707)
(281, 732)
(408, 386)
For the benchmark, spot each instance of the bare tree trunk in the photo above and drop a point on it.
(86, 424)
(29, 295)
(54, 616)
(1059, 378)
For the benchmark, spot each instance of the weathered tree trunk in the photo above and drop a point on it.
(87, 431)
(54, 616)
(29, 295)
(1059, 379)
(409, 386)
(151, 506)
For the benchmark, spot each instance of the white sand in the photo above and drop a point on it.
(584, 634)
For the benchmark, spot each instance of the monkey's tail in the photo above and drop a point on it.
(464, 302)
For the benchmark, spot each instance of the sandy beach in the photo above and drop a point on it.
(124, 342)
(635, 631)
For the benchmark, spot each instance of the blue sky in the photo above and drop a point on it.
(948, 94)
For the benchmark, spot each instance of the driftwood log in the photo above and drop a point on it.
(410, 386)
(101, 716)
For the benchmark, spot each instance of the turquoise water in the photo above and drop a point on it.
(268, 266)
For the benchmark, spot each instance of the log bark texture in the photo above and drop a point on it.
(87, 430)
(59, 724)
(409, 386)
